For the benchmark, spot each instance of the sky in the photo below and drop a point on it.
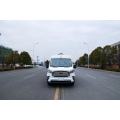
(46, 38)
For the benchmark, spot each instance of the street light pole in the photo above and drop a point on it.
(34, 50)
(88, 54)
(88, 61)
(37, 60)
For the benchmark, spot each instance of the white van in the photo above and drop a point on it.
(61, 70)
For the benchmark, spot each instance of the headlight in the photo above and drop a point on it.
(72, 71)
(49, 71)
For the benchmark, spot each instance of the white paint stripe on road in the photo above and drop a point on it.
(115, 76)
(57, 94)
(91, 76)
(29, 76)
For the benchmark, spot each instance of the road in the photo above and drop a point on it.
(30, 84)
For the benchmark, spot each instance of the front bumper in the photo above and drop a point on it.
(52, 79)
(60, 80)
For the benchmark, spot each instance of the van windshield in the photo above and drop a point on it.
(61, 62)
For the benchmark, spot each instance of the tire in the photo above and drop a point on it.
(72, 83)
(47, 78)
(49, 83)
(74, 78)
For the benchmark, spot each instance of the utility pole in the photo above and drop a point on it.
(88, 53)
(34, 51)
(77, 62)
(37, 59)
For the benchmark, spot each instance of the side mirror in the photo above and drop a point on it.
(74, 66)
(47, 66)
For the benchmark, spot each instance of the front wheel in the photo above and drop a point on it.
(72, 83)
(49, 84)
(73, 78)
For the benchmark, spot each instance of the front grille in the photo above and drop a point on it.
(60, 74)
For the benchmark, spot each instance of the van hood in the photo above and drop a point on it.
(53, 69)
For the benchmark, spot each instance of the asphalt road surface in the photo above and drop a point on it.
(30, 84)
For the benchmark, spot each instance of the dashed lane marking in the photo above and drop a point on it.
(91, 76)
(57, 94)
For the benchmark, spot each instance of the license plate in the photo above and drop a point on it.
(61, 79)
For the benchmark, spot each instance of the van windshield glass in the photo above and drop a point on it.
(61, 62)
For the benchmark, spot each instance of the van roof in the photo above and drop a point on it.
(61, 56)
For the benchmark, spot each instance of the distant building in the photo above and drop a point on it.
(116, 45)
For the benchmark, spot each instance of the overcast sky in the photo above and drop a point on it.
(52, 37)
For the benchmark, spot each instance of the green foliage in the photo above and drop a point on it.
(83, 60)
(4, 52)
(96, 56)
(77, 62)
(25, 58)
(10, 59)
(114, 53)
(107, 54)
(13, 58)
(101, 57)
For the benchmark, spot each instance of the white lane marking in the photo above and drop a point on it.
(29, 76)
(57, 94)
(91, 76)
(115, 76)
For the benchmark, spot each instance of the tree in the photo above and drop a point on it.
(4, 52)
(13, 58)
(107, 55)
(96, 56)
(119, 56)
(114, 55)
(102, 57)
(84, 59)
(25, 58)
(77, 62)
